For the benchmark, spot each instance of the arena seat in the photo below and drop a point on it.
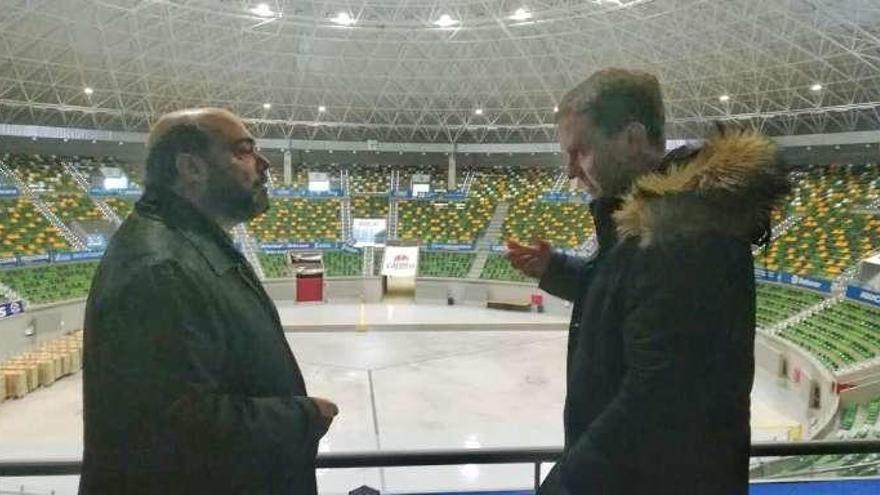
(274, 265)
(830, 237)
(50, 283)
(777, 303)
(298, 220)
(122, 207)
(42, 173)
(857, 421)
(342, 264)
(498, 268)
(840, 335)
(369, 207)
(370, 179)
(336, 264)
(42, 366)
(25, 231)
(563, 225)
(455, 222)
(72, 206)
(448, 265)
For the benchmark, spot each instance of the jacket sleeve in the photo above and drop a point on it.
(566, 276)
(169, 357)
(675, 301)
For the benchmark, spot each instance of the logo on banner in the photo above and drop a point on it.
(806, 282)
(863, 295)
(810, 283)
(8, 192)
(765, 274)
(11, 308)
(400, 261)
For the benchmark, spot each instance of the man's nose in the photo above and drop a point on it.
(262, 162)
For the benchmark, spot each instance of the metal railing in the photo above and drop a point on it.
(409, 458)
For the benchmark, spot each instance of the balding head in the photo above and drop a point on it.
(206, 119)
(207, 156)
(184, 131)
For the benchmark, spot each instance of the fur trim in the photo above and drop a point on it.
(728, 186)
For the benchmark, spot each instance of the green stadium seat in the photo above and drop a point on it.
(50, 283)
(447, 265)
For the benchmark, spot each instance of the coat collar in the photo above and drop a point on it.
(728, 186)
(212, 243)
(602, 210)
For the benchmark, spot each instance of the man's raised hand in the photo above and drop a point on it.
(530, 260)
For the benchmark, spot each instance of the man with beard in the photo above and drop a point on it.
(661, 341)
(189, 383)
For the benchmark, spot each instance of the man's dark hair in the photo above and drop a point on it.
(613, 98)
(161, 158)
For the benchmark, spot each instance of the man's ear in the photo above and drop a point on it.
(191, 168)
(636, 135)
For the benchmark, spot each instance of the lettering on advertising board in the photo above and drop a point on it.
(11, 308)
(863, 295)
(34, 259)
(808, 282)
(131, 191)
(8, 192)
(400, 261)
(555, 196)
(765, 274)
(437, 246)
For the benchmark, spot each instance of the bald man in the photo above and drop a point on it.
(189, 383)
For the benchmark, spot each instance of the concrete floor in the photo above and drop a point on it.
(397, 390)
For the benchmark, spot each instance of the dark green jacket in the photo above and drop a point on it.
(189, 383)
(661, 343)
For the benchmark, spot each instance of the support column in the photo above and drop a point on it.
(288, 168)
(450, 173)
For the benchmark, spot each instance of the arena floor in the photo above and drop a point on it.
(405, 377)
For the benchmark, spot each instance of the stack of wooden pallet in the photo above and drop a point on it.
(41, 367)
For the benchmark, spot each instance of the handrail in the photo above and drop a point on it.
(403, 458)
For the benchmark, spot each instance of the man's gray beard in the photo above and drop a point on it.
(235, 204)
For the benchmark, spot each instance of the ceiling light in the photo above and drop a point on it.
(816, 87)
(322, 109)
(478, 111)
(262, 10)
(521, 15)
(343, 19)
(445, 21)
(724, 98)
(556, 109)
(267, 106)
(88, 91)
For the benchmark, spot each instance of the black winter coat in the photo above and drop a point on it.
(189, 384)
(660, 352)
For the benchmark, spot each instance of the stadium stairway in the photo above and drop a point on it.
(802, 315)
(490, 237)
(71, 238)
(781, 228)
(249, 248)
(393, 209)
(369, 263)
(8, 294)
(345, 206)
(108, 213)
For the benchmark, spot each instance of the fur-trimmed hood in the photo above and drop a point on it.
(727, 186)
